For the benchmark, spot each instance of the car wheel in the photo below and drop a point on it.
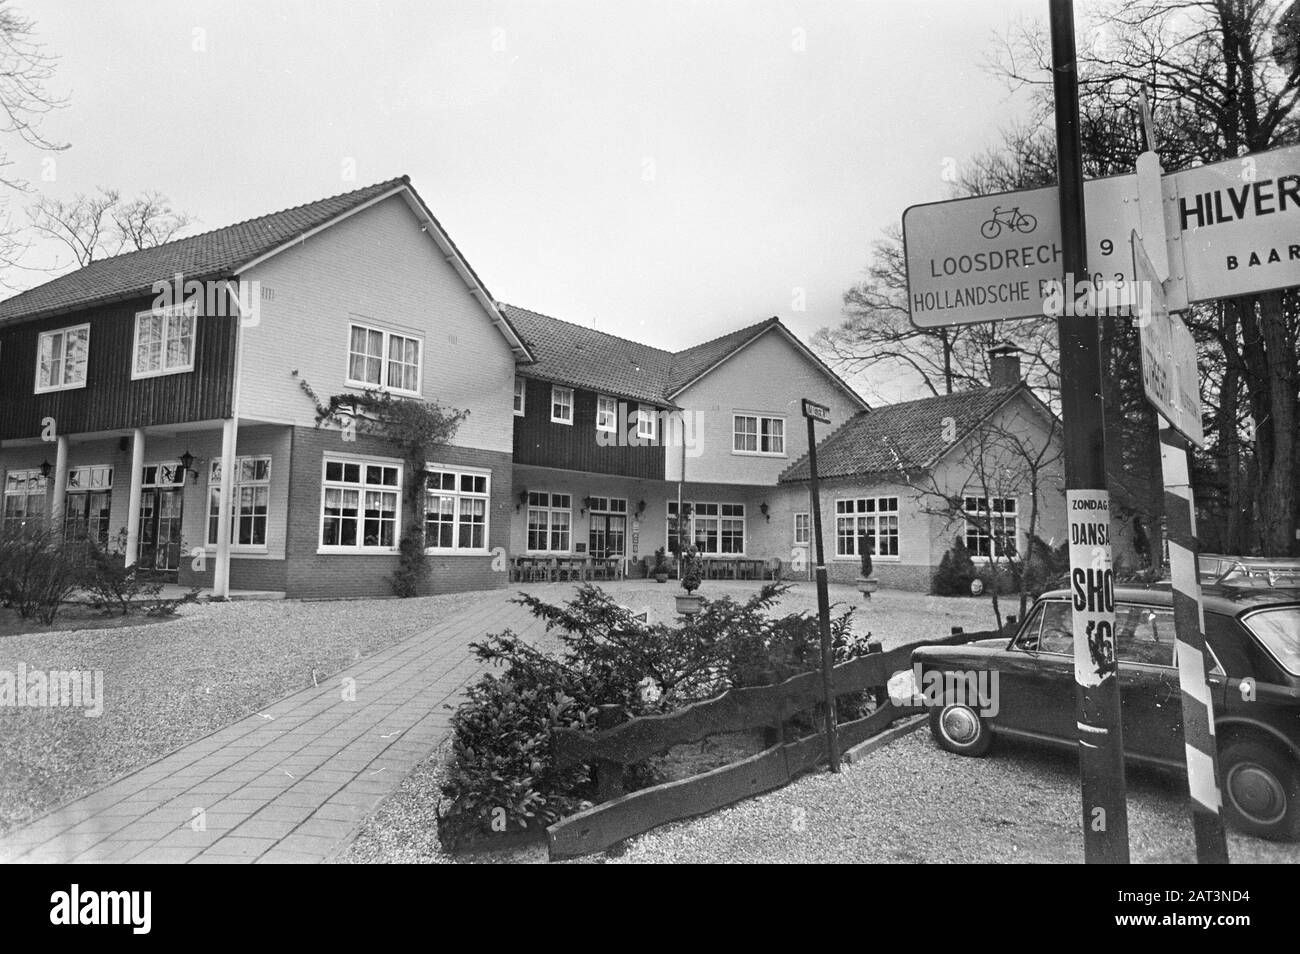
(1261, 790)
(959, 728)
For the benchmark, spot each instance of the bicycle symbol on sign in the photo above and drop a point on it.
(1013, 220)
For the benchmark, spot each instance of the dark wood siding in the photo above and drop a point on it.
(540, 442)
(111, 400)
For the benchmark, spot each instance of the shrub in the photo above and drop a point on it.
(111, 582)
(39, 570)
(502, 766)
(955, 572)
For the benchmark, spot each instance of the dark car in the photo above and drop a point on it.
(1254, 640)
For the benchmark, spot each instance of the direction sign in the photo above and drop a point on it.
(818, 412)
(1240, 224)
(1233, 228)
(1169, 375)
(992, 257)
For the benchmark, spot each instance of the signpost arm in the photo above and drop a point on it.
(1101, 753)
(823, 603)
(1189, 634)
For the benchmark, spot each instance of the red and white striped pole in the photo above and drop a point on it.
(1189, 638)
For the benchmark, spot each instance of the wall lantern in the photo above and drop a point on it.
(187, 465)
(762, 508)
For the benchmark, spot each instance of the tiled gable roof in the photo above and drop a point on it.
(693, 362)
(594, 360)
(582, 357)
(208, 255)
(908, 434)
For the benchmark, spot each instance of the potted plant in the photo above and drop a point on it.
(866, 585)
(661, 567)
(692, 569)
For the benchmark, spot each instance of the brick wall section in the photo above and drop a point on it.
(313, 575)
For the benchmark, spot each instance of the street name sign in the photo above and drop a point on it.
(818, 412)
(1233, 228)
(1169, 376)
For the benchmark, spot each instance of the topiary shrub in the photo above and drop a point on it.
(955, 572)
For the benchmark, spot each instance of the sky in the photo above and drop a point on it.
(666, 171)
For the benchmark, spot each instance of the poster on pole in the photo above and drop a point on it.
(1092, 585)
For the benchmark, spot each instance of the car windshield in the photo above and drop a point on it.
(1279, 630)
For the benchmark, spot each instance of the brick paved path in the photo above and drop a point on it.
(291, 784)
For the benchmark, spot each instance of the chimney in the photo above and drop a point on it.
(1004, 366)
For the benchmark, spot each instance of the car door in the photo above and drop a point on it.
(1151, 698)
(1036, 676)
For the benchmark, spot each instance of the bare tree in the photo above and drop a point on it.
(877, 335)
(997, 462)
(25, 69)
(84, 225)
(148, 221)
(99, 226)
(1218, 93)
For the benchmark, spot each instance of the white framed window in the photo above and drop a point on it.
(87, 505)
(383, 360)
(992, 526)
(360, 505)
(802, 529)
(24, 500)
(61, 358)
(162, 475)
(456, 509)
(877, 517)
(606, 413)
(550, 522)
(717, 529)
(519, 397)
(250, 502)
(164, 341)
(645, 423)
(561, 405)
(756, 434)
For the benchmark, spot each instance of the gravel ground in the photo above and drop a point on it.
(167, 684)
(912, 802)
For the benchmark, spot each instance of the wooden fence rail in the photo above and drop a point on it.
(736, 710)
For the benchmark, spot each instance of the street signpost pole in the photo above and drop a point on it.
(816, 412)
(1101, 751)
(1189, 634)
(1172, 384)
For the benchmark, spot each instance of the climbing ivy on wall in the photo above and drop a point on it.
(416, 428)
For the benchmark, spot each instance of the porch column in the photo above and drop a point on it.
(60, 482)
(221, 571)
(133, 502)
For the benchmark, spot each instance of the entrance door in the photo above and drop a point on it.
(608, 535)
(160, 531)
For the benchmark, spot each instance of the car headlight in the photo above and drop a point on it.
(903, 689)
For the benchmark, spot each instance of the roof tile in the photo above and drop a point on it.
(909, 435)
(207, 255)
